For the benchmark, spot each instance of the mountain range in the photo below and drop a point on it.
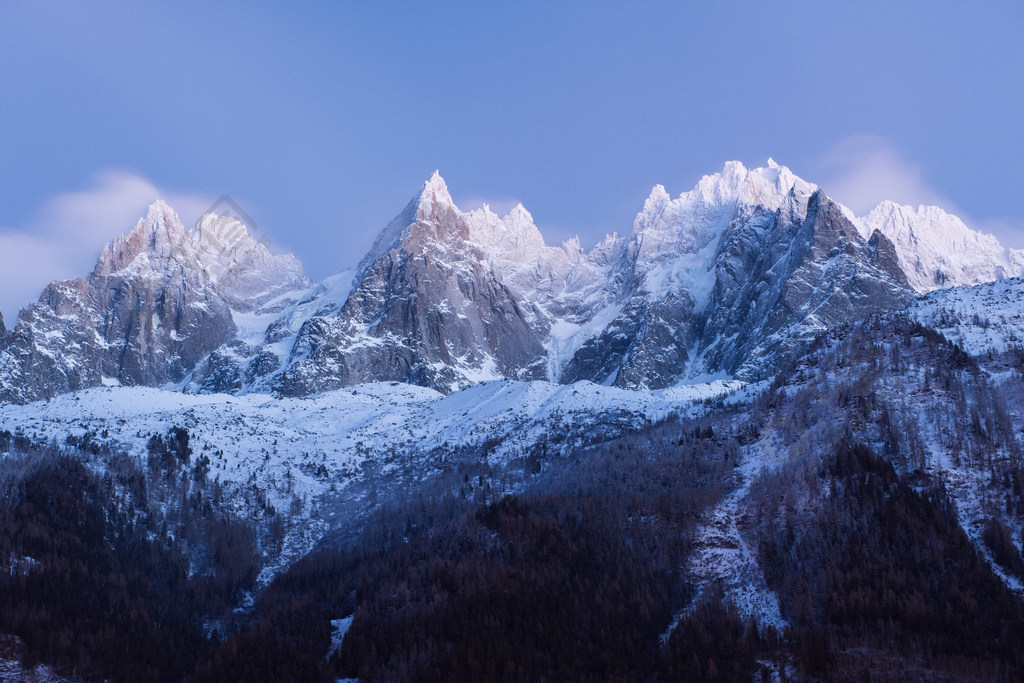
(726, 280)
(755, 435)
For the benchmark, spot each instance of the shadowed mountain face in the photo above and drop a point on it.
(778, 278)
(808, 272)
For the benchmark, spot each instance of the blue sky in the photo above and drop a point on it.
(322, 119)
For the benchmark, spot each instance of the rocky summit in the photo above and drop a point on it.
(158, 302)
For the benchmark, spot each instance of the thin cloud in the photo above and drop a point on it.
(864, 170)
(64, 238)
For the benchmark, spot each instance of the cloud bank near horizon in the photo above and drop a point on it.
(864, 170)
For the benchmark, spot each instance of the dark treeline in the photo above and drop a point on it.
(523, 589)
(94, 580)
(863, 544)
(86, 587)
(878, 579)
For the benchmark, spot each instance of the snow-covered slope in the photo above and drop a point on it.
(345, 428)
(982, 318)
(936, 249)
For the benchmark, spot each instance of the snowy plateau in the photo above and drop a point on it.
(747, 327)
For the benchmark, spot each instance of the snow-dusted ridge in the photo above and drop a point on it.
(345, 428)
(722, 280)
(983, 318)
(937, 250)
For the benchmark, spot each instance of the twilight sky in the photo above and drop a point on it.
(323, 118)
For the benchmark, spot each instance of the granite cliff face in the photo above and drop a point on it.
(807, 272)
(725, 280)
(427, 308)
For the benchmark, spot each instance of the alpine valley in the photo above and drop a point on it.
(754, 437)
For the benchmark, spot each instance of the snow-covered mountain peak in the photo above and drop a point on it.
(248, 275)
(519, 214)
(658, 198)
(219, 251)
(433, 218)
(936, 249)
(220, 233)
(158, 236)
(432, 205)
(573, 246)
(696, 218)
(434, 197)
(766, 186)
(436, 182)
(161, 226)
(925, 222)
(771, 186)
(719, 188)
(519, 222)
(512, 239)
